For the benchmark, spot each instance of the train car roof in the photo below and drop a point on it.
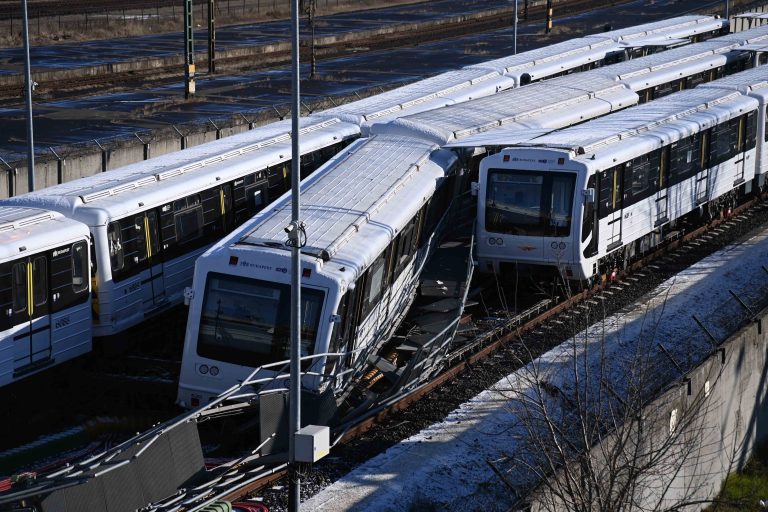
(487, 78)
(519, 109)
(753, 35)
(593, 47)
(752, 81)
(572, 49)
(668, 59)
(29, 230)
(121, 190)
(357, 203)
(445, 88)
(704, 107)
(673, 28)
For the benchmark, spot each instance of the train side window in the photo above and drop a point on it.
(375, 282)
(683, 159)
(115, 246)
(255, 197)
(188, 218)
(636, 180)
(407, 243)
(604, 192)
(19, 287)
(723, 143)
(79, 267)
(39, 281)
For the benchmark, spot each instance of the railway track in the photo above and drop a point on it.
(129, 393)
(501, 345)
(167, 70)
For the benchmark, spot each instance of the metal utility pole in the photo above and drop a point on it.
(514, 43)
(295, 239)
(727, 15)
(548, 28)
(189, 51)
(29, 87)
(211, 36)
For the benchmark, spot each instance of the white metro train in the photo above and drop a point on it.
(589, 198)
(45, 306)
(149, 221)
(217, 341)
(372, 215)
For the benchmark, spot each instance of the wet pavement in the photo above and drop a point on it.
(94, 53)
(220, 98)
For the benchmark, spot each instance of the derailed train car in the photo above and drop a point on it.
(372, 215)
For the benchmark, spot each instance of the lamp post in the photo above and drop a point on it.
(294, 238)
(29, 88)
(514, 43)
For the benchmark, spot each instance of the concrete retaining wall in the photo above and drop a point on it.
(720, 408)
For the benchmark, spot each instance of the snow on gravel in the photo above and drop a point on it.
(445, 466)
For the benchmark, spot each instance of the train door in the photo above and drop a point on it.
(662, 192)
(702, 177)
(741, 146)
(148, 242)
(611, 205)
(30, 312)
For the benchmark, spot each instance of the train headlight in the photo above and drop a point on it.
(553, 245)
(499, 241)
(562, 246)
(203, 368)
(491, 241)
(214, 371)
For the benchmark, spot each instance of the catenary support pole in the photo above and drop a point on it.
(294, 419)
(211, 36)
(548, 27)
(514, 43)
(29, 88)
(189, 51)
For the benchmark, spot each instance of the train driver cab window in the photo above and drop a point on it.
(188, 218)
(19, 287)
(247, 321)
(79, 267)
(529, 203)
(115, 246)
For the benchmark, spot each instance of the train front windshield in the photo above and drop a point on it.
(529, 203)
(247, 321)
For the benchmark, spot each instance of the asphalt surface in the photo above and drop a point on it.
(92, 53)
(106, 117)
